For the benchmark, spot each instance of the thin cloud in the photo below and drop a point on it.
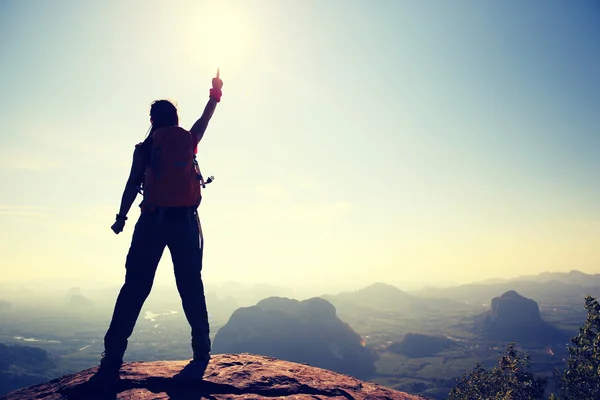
(16, 211)
(18, 207)
(26, 161)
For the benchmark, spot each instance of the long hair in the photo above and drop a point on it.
(163, 113)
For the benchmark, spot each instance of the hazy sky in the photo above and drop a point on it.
(356, 141)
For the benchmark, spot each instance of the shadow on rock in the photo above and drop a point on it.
(189, 390)
(174, 388)
(90, 391)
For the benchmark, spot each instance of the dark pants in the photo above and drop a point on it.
(180, 230)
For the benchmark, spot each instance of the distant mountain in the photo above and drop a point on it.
(249, 294)
(79, 303)
(382, 297)
(378, 295)
(300, 331)
(22, 366)
(417, 345)
(220, 307)
(74, 291)
(550, 292)
(572, 277)
(513, 317)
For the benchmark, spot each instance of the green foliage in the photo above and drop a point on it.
(581, 379)
(511, 379)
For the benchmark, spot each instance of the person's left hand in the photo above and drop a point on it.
(118, 226)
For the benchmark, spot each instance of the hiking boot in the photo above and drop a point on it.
(195, 369)
(108, 372)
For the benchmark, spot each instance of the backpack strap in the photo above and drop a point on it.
(145, 148)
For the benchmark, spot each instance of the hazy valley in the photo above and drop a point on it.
(417, 341)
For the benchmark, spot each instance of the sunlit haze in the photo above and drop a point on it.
(396, 141)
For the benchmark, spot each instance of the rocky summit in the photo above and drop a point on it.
(306, 331)
(513, 317)
(229, 376)
(513, 309)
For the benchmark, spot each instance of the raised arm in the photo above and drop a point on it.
(136, 175)
(201, 124)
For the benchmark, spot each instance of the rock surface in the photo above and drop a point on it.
(229, 376)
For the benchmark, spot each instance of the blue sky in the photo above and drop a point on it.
(357, 141)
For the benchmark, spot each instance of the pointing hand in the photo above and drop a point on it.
(217, 83)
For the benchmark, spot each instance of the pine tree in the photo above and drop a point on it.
(581, 379)
(511, 379)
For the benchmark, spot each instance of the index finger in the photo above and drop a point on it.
(218, 70)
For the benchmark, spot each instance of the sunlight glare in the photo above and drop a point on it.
(221, 38)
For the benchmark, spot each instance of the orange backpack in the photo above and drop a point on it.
(172, 174)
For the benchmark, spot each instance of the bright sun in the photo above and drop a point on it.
(222, 36)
